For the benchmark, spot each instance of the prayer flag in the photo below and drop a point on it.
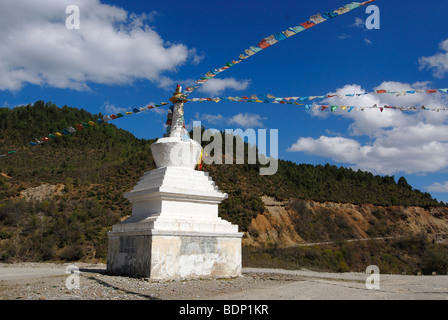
(317, 18)
(297, 29)
(352, 5)
(329, 15)
(249, 52)
(279, 36)
(342, 10)
(288, 33)
(255, 49)
(307, 24)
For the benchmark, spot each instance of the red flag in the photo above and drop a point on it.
(263, 44)
(308, 24)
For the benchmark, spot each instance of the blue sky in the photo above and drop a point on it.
(129, 54)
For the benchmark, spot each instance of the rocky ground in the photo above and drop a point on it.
(39, 281)
(45, 281)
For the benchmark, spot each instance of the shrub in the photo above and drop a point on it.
(436, 260)
(72, 253)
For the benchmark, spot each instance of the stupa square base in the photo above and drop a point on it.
(166, 255)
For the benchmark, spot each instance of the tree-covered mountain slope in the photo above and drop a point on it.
(95, 166)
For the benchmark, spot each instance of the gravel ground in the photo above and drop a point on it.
(39, 281)
(45, 281)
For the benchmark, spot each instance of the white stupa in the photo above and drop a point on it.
(174, 230)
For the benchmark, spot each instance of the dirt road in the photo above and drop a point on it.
(33, 281)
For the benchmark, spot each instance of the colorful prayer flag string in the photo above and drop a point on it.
(277, 37)
(269, 98)
(321, 107)
(362, 108)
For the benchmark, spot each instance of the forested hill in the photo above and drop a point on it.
(97, 165)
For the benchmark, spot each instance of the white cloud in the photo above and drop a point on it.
(344, 36)
(210, 118)
(196, 58)
(372, 122)
(112, 109)
(216, 86)
(367, 41)
(378, 157)
(359, 23)
(410, 142)
(158, 111)
(246, 120)
(438, 187)
(437, 62)
(341, 149)
(112, 46)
